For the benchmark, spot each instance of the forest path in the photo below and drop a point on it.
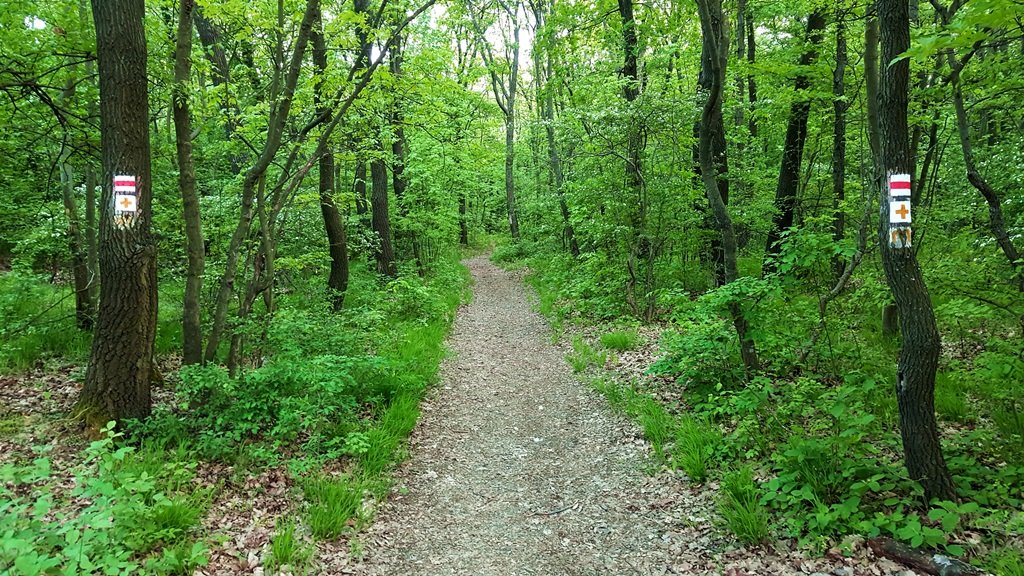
(517, 468)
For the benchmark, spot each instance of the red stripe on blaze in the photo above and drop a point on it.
(899, 185)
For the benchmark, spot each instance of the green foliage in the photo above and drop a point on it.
(694, 447)
(287, 547)
(741, 509)
(332, 503)
(584, 356)
(36, 322)
(128, 513)
(620, 340)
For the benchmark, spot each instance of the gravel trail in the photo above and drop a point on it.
(517, 468)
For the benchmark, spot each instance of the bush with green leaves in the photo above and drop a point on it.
(120, 517)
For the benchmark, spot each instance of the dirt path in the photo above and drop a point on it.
(519, 469)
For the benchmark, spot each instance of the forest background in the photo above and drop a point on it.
(707, 181)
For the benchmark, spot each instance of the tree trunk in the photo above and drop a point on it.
(359, 185)
(509, 173)
(919, 354)
(751, 82)
(715, 124)
(337, 242)
(91, 229)
(714, 42)
(556, 177)
(839, 107)
(192, 336)
(890, 317)
(463, 225)
(640, 262)
(275, 129)
(385, 253)
(84, 312)
(996, 223)
(793, 149)
(117, 381)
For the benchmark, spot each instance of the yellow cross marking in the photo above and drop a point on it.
(903, 211)
(126, 203)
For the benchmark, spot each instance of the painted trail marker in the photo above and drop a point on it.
(900, 231)
(126, 199)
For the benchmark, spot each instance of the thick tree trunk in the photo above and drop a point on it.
(714, 42)
(192, 335)
(337, 242)
(793, 149)
(117, 381)
(715, 124)
(919, 354)
(385, 253)
(839, 107)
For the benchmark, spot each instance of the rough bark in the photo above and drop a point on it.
(192, 336)
(711, 21)
(929, 563)
(919, 353)
(890, 318)
(337, 242)
(793, 149)
(117, 381)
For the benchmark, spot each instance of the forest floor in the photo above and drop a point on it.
(518, 468)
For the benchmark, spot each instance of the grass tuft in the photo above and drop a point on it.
(332, 503)
(620, 340)
(694, 448)
(740, 507)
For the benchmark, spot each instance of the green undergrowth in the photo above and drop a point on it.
(130, 510)
(37, 323)
(808, 449)
(328, 391)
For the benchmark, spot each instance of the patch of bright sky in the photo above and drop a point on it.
(34, 23)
